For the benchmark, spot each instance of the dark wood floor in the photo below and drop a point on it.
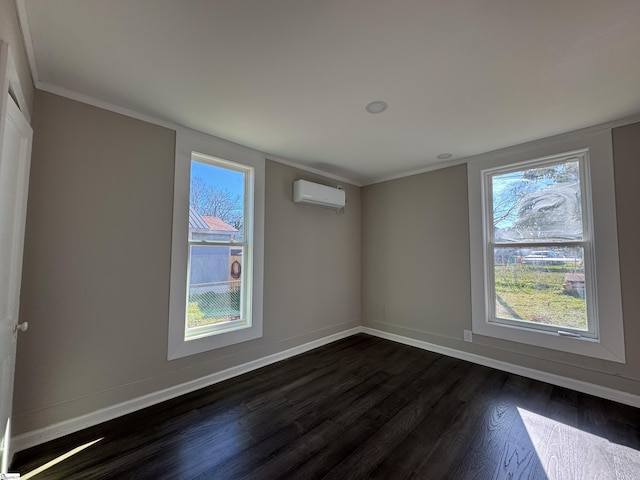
(362, 407)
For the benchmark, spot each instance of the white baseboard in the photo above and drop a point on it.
(36, 437)
(31, 439)
(566, 382)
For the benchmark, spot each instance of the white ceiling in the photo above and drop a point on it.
(292, 78)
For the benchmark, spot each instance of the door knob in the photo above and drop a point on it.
(22, 327)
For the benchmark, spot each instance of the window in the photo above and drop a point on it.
(220, 231)
(217, 246)
(539, 253)
(544, 259)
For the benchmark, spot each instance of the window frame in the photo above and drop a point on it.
(246, 247)
(192, 145)
(608, 341)
(582, 157)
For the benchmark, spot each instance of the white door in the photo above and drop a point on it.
(15, 159)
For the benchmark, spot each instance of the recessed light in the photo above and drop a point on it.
(444, 156)
(376, 107)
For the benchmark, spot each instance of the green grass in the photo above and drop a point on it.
(535, 293)
(210, 308)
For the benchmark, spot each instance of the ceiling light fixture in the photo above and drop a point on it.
(376, 107)
(444, 156)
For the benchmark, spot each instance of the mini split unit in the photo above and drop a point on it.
(316, 194)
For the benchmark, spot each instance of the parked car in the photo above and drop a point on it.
(548, 257)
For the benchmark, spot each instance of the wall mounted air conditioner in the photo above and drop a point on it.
(316, 194)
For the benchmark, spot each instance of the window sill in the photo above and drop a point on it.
(183, 348)
(603, 348)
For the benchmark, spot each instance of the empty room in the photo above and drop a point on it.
(319, 239)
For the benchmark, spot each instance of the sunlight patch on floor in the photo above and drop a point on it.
(568, 452)
(57, 460)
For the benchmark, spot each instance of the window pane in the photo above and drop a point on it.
(214, 289)
(540, 204)
(541, 285)
(216, 203)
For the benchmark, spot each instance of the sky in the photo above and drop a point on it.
(221, 177)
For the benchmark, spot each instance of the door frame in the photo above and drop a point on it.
(10, 82)
(11, 89)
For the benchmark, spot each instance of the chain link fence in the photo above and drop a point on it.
(211, 303)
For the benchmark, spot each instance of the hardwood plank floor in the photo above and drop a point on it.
(362, 407)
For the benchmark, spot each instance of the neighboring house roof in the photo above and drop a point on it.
(196, 222)
(214, 223)
(206, 224)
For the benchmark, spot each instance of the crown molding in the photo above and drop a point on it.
(88, 100)
(323, 173)
(410, 173)
(510, 150)
(26, 31)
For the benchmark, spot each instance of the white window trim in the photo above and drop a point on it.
(188, 142)
(610, 342)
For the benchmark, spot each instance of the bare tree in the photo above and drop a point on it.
(506, 205)
(216, 201)
(542, 198)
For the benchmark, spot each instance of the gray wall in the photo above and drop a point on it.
(96, 269)
(10, 33)
(311, 260)
(416, 268)
(626, 154)
(416, 253)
